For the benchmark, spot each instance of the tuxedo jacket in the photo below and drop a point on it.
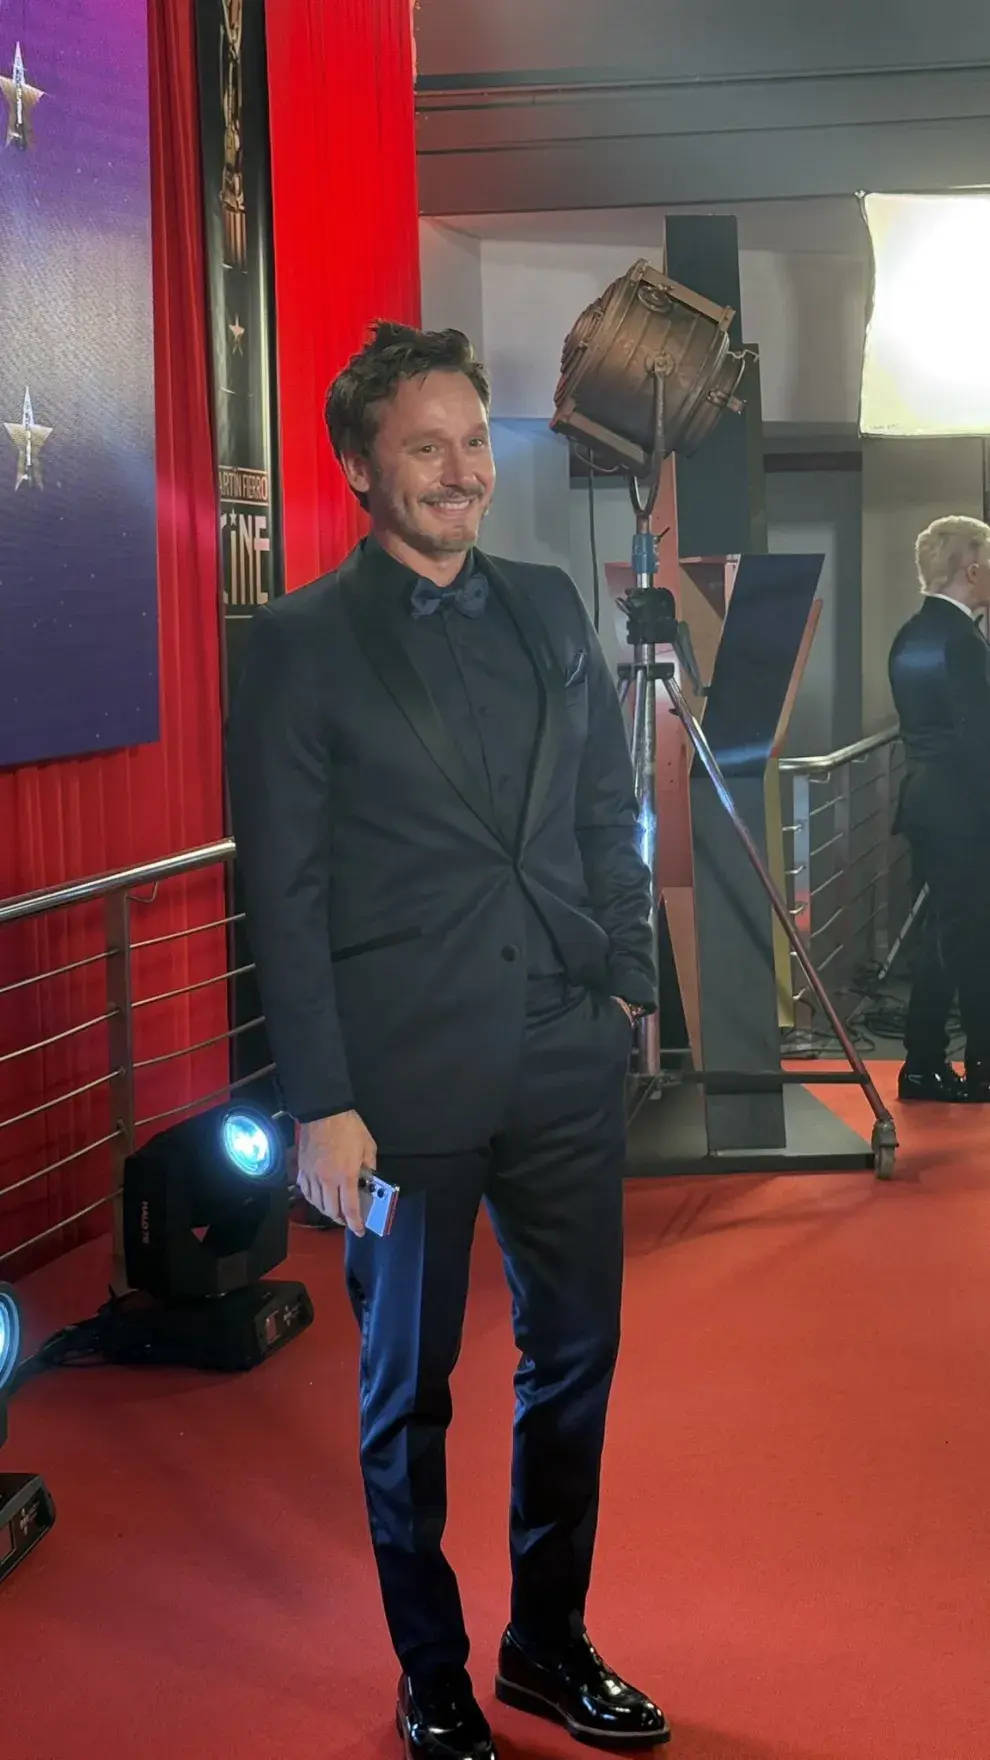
(940, 681)
(386, 908)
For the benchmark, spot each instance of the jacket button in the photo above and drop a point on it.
(510, 953)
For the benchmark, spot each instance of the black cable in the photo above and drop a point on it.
(798, 1043)
(72, 1347)
(880, 1012)
(596, 584)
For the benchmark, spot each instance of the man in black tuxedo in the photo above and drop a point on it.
(940, 681)
(437, 830)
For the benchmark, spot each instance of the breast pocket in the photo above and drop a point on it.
(397, 938)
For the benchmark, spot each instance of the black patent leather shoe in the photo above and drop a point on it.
(443, 1721)
(931, 1084)
(583, 1694)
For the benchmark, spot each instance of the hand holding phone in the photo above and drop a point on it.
(333, 1153)
(378, 1202)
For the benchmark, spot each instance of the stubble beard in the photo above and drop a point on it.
(440, 544)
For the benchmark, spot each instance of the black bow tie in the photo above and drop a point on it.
(470, 598)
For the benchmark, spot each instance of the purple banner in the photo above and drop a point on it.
(78, 583)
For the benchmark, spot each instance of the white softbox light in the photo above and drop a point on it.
(926, 366)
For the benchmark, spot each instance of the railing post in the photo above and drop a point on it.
(801, 876)
(120, 1032)
(882, 927)
(842, 828)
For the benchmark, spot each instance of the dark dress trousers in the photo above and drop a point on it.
(940, 680)
(437, 831)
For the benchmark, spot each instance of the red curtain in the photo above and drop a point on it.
(346, 234)
(61, 821)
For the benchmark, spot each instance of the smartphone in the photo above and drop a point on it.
(378, 1202)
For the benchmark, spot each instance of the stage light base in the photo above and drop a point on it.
(668, 1139)
(227, 1335)
(27, 1513)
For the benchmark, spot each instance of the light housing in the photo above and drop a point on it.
(206, 1205)
(251, 1144)
(10, 1349)
(10, 1335)
(644, 328)
(27, 1510)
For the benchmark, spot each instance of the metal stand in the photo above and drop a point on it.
(884, 1137)
(650, 611)
(652, 623)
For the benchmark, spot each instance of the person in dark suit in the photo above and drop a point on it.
(437, 831)
(940, 681)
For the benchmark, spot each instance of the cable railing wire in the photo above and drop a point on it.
(36, 1240)
(60, 1100)
(866, 884)
(205, 1099)
(55, 1166)
(119, 891)
(57, 1038)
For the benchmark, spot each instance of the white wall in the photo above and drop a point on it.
(807, 312)
(518, 298)
(528, 521)
(614, 527)
(450, 274)
(532, 294)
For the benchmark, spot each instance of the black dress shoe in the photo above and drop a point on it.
(931, 1084)
(442, 1720)
(581, 1693)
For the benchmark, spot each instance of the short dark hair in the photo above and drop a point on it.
(394, 353)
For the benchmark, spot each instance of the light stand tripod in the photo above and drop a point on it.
(651, 624)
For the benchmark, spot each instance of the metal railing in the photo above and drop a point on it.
(101, 984)
(848, 891)
(848, 878)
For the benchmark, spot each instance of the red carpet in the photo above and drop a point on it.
(795, 1548)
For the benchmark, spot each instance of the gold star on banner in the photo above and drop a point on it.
(21, 99)
(29, 438)
(237, 332)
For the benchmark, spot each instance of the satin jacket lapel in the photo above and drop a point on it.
(550, 678)
(375, 618)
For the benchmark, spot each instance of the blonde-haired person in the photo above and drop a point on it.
(940, 679)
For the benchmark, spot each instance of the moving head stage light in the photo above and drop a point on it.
(206, 1217)
(26, 1507)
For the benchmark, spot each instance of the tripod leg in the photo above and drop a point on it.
(644, 756)
(884, 1133)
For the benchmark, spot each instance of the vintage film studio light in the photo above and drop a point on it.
(647, 371)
